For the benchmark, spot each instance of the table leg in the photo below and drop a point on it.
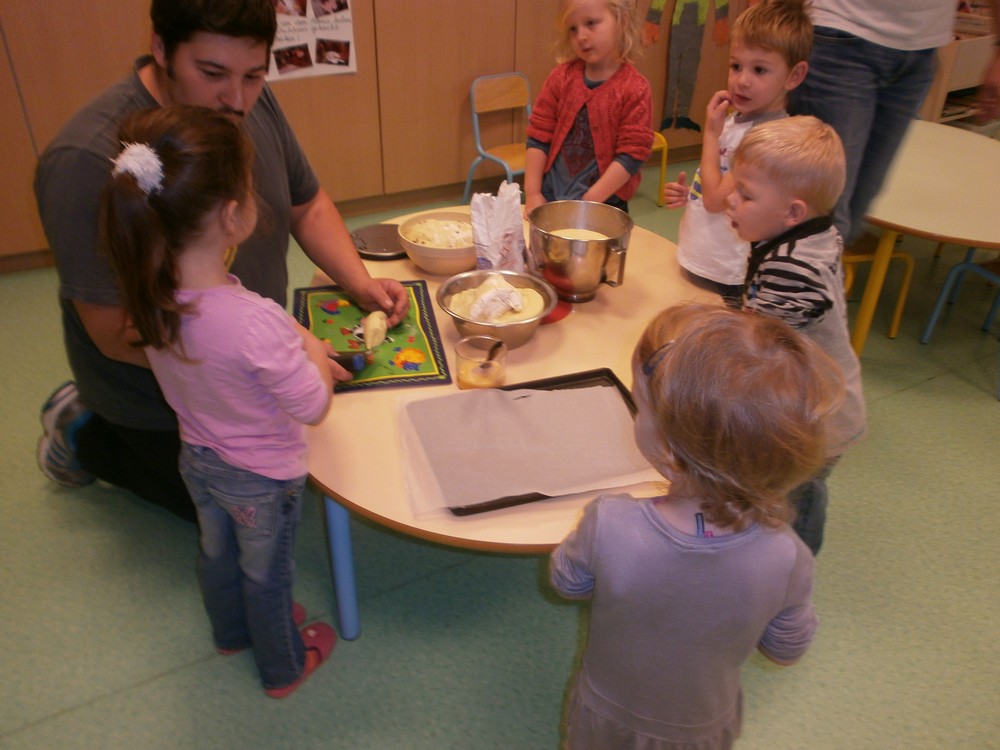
(338, 523)
(873, 289)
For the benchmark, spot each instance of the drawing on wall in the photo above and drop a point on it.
(687, 29)
(315, 37)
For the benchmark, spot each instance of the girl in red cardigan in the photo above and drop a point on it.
(590, 129)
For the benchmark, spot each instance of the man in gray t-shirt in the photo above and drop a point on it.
(113, 423)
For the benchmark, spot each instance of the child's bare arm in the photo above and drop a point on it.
(613, 178)
(319, 354)
(715, 186)
(534, 167)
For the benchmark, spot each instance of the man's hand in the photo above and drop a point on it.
(387, 295)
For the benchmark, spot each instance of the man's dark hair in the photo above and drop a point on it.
(176, 21)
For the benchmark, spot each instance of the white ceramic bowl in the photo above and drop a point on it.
(444, 261)
(512, 334)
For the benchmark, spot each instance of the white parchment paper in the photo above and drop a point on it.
(479, 445)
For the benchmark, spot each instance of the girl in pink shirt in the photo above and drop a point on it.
(243, 377)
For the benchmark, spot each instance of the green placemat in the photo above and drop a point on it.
(411, 353)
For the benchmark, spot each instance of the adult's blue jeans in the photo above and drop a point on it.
(246, 567)
(868, 94)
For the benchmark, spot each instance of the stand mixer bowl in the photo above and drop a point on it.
(577, 267)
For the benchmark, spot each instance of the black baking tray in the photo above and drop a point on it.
(603, 377)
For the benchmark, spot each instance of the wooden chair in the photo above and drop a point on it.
(496, 93)
(861, 253)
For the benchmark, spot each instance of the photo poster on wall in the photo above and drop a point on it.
(315, 38)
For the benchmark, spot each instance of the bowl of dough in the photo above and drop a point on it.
(509, 305)
(439, 242)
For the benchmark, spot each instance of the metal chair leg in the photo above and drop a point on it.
(992, 313)
(969, 255)
(953, 275)
(948, 293)
(467, 193)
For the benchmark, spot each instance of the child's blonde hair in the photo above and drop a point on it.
(782, 26)
(802, 154)
(739, 401)
(628, 29)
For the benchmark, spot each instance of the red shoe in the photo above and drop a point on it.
(298, 617)
(319, 639)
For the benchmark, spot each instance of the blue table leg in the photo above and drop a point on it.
(345, 592)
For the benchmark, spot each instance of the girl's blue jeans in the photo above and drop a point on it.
(245, 567)
(869, 94)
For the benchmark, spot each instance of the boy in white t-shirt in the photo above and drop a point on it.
(771, 42)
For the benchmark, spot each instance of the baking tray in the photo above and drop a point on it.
(603, 377)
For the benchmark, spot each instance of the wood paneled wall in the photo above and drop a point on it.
(401, 123)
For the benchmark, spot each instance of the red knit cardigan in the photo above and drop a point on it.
(620, 112)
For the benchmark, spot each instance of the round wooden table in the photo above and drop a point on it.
(355, 458)
(944, 185)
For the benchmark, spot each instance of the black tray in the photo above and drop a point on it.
(588, 378)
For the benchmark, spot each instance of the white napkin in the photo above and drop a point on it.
(480, 445)
(498, 229)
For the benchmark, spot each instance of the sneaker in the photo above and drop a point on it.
(62, 415)
(298, 617)
(319, 639)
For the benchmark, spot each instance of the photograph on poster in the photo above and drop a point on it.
(315, 37)
(333, 52)
(290, 7)
(325, 7)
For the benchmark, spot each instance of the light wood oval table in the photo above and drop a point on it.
(355, 457)
(944, 185)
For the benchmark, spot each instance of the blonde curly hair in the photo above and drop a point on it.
(739, 402)
(629, 29)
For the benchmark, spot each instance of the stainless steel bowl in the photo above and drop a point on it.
(512, 334)
(577, 267)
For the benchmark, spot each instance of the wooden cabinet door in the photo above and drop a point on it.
(64, 55)
(336, 117)
(61, 56)
(22, 230)
(428, 54)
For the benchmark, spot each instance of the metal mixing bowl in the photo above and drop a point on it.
(512, 334)
(577, 267)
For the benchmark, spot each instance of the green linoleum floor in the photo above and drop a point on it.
(104, 644)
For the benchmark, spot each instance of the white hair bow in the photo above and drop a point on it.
(142, 162)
